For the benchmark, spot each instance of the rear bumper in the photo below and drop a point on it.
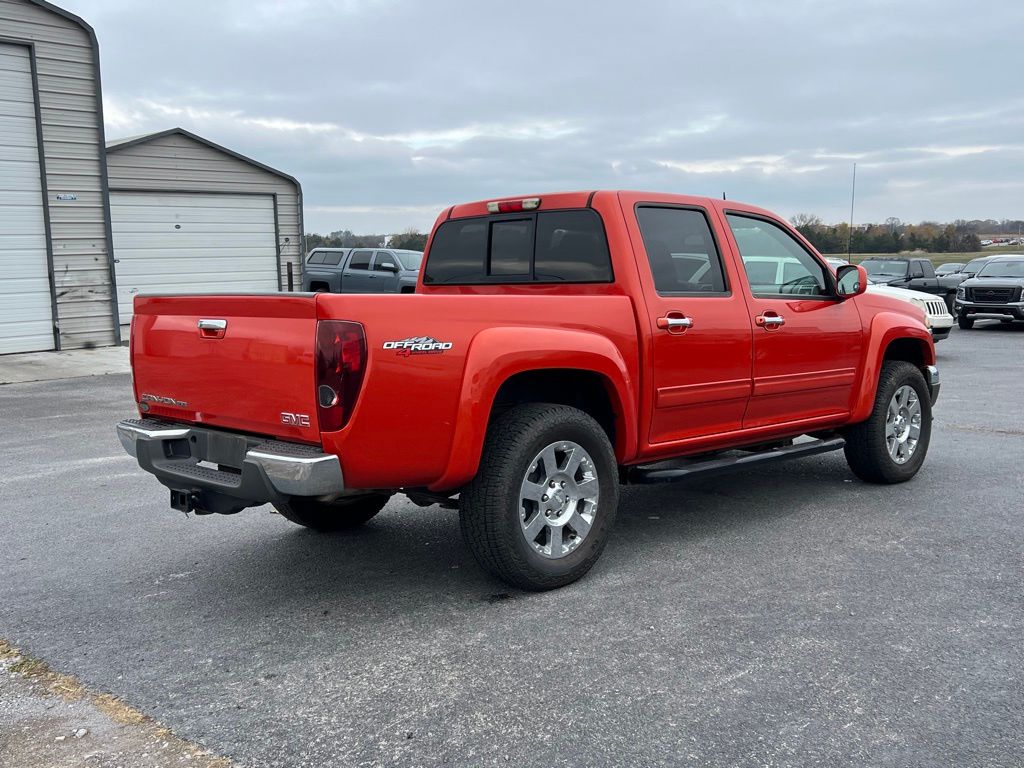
(237, 471)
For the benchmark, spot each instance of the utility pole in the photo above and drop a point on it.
(853, 196)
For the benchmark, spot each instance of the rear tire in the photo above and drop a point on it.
(541, 507)
(965, 323)
(341, 515)
(891, 445)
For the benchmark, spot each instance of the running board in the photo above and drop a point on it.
(697, 467)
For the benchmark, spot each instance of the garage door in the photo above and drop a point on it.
(26, 316)
(186, 242)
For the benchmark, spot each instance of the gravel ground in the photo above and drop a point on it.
(789, 616)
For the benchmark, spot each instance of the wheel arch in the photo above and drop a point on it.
(511, 366)
(891, 338)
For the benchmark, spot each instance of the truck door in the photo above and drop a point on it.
(357, 277)
(807, 342)
(700, 370)
(385, 272)
(922, 277)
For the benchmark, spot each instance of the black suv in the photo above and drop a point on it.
(996, 291)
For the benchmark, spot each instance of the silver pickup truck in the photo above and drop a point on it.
(361, 270)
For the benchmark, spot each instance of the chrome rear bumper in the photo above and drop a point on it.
(245, 470)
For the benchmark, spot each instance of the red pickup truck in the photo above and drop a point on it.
(556, 347)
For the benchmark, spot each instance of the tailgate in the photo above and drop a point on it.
(245, 363)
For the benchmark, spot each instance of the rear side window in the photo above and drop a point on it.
(317, 257)
(544, 247)
(681, 251)
(360, 260)
(333, 257)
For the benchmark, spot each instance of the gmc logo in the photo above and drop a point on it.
(295, 419)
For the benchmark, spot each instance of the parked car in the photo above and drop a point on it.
(997, 290)
(936, 314)
(912, 272)
(556, 347)
(835, 262)
(361, 270)
(971, 267)
(949, 268)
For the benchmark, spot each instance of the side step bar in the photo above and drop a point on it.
(698, 467)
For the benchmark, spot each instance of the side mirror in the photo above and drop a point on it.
(387, 266)
(851, 280)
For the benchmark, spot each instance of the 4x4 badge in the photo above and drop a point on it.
(418, 345)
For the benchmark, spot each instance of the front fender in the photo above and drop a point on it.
(886, 327)
(496, 354)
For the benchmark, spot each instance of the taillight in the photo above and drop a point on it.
(512, 206)
(340, 365)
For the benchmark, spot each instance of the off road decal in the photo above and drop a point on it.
(418, 345)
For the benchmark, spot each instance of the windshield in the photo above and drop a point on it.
(410, 259)
(973, 266)
(885, 267)
(948, 269)
(1002, 269)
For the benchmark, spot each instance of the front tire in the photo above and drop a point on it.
(344, 514)
(891, 445)
(541, 507)
(965, 323)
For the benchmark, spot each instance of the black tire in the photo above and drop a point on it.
(866, 450)
(490, 508)
(1005, 319)
(965, 322)
(341, 515)
(951, 303)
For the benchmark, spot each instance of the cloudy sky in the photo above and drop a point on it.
(389, 110)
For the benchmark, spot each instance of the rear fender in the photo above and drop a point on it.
(886, 327)
(496, 354)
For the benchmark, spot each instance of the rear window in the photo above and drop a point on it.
(544, 247)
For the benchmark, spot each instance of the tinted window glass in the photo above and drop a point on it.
(761, 242)
(680, 250)
(571, 247)
(549, 246)
(360, 260)
(511, 247)
(333, 257)
(384, 257)
(317, 257)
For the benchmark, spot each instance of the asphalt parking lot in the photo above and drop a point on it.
(785, 616)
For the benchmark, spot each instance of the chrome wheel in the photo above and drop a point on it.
(903, 424)
(558, 499)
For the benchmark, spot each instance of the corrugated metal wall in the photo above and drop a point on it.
(71, 117)
(178, 163)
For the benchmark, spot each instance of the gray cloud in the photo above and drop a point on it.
(387, 111)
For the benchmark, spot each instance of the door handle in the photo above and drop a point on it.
(769, 321)
(212, 329)
(675, 322)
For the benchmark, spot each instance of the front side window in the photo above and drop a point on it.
(360, 260)
(681, 251)
(384, 257)
(775, 263)
(544, 247)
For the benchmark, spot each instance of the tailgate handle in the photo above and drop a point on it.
(213, 329)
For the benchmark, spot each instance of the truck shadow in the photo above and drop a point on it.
(409, 560)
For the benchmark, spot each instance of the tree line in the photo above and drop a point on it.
(893, 235)
(410, 240)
